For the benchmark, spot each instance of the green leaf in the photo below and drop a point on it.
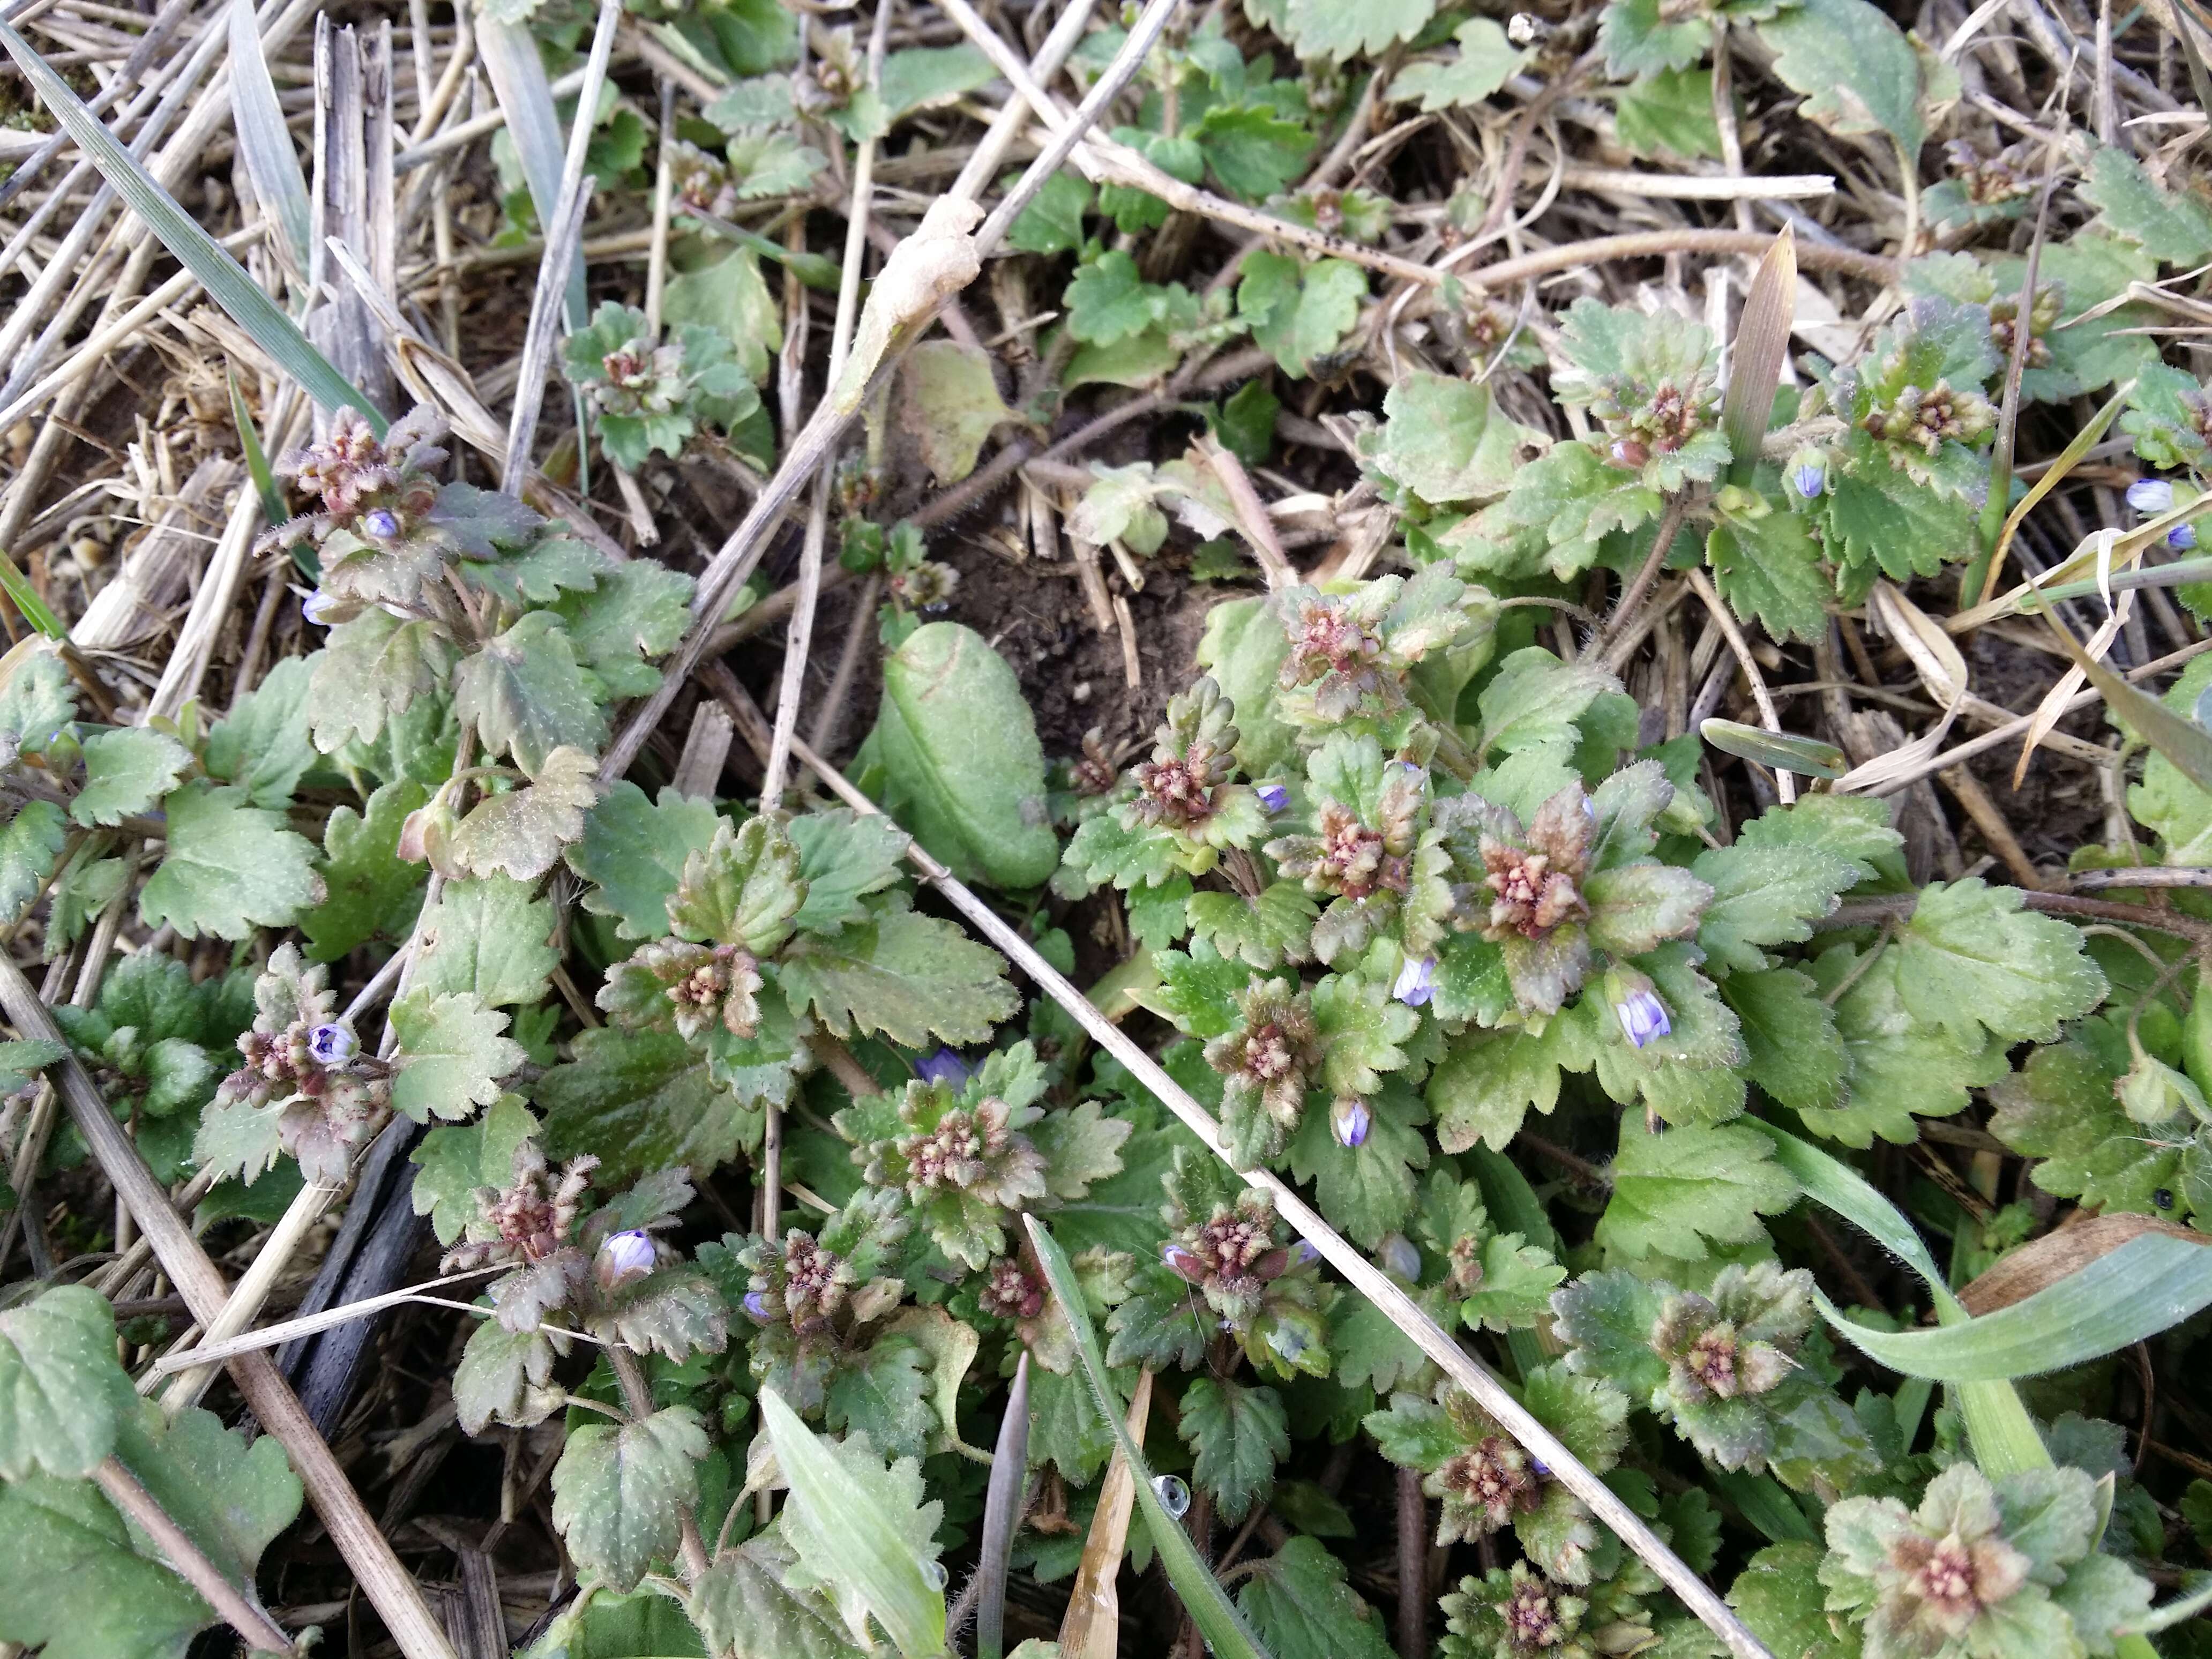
(1791, 1047)
(126, 771)
(22, 1058)
(371, 892)
(1642, 36)
(1856, 71)
(504, 1377)
(1361, 1026)
(2059, 1109)
(1766, 895)
(621, 1491)
(453, 1162)
(854, 1525)
(526, 695)
(225, 280)
(1263, 931)
(949, 402)
(1237, 1434)
(884, 1394)
(2148, 1284)
(1770, 568)
(844, 856)
(489, 936)
(908, 976)
(745, 1607)
(29, 845)
(642, 1101)
(1320, 29)
(451, 1055)
(1490, 1081)
(1685, 1192)
(961, 762)
(1299, 1601)
(1252, 150)
(2173, 227)
(38, 700)
(1535, 699)
(1107, 301)
(521, 832)
(1972, 954)
(1443, 438)
(1368, 1189)
(1903, 1064)
(1780, 1596)
(229, 867)
(1218, 1622)
(1669, 115)
(82, 1580)
(1487, 61)
(369, 669)
(1299, 312)
(743, 888)
(633, 852)
(62, 1392)
(263, 744)
(637, 612)
(1053, 221)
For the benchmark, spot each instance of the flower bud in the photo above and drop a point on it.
(1351, 1120)
(2182, 537)
(1274, 797)
(1417, 982)
(2151, 496)
(624, 1257)
(317, 606)
(757, 1308)
(1809, 477)
(380, 522)
(1629, 452)
(1274, 1265)
(1183, 1264)
(1400, 1259)
(2151, 1092)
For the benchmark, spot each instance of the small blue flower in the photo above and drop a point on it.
(381, 522)
(1351, 1120)
(1809, 478)
(2151, 496)
(1288, 1342)
(332, 1046)
(1274, 797)
(1304, 1254)
(1417, 982)
(317, 606)
(1643, 1018)
(2182, 536)
(757, 1308)
(1400, 1259)
(1183, 1264)
(623, 1257)
(1540, 1466)
(946, 1067)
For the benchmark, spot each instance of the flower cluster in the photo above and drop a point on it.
(304, 1064)
(1931, 415)
(380, 490)
(1265, 1061)
(1259, 1286)
(692, 988)
(1651, 383)
(649, 395)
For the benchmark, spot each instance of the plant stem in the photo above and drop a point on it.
(236, 1607)
(1412, 1566)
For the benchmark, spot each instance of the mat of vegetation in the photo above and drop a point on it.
(1266, 828)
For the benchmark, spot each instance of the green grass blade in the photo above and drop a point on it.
(1785, 751)
(223, 277)
(1002, 1516)
(867, 1552)
(1226, 1634)
(2003, 1435)
(19, 589)
(509, 52)
(2148, 1285)
(265, 143)
(2183, 742)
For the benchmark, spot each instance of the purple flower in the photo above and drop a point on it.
(317, 607)
(2151, 496)
(332, 1046)
(1304, 1254)
(1351, 1120)
(946, 1067)
(1400, 1259)
(380, 522)
(757, 1308)
(1287, 1341)
(1274, 797)
(1417, 982)
(2182, 536)
(1810, 478)
(1643, 1018)
(623, 1257)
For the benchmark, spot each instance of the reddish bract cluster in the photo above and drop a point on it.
(1011, 1291)
(1493, 1479)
